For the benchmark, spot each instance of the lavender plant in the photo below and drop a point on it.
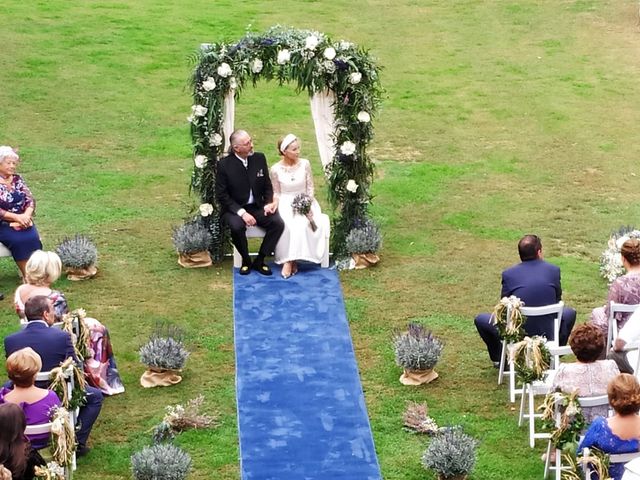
(451, 453)
(165, 349)
(364, 237)
(77, 252)
(162, 461)
(191, 237)
(417, 348)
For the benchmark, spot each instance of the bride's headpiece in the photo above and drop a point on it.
(286, 141)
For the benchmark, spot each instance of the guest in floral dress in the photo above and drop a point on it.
(624, 289)
(588, 375)
(621, 432)
(17, 231)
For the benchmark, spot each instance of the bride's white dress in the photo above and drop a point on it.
(298, 241)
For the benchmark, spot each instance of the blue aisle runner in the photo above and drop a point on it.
(301, 410)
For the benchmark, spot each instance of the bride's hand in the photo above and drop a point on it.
(270, 208)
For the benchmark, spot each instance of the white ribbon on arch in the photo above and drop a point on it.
(323, 121)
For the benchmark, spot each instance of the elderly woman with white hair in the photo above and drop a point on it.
(17, 231)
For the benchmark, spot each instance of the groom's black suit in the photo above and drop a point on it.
(233, 183)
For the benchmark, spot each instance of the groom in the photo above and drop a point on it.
(244, 191)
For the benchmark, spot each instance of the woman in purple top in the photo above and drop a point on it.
(624, 289)
(17, 231)
(22, 367)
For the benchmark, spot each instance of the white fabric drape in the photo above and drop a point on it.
(229, 117)
(324, 123)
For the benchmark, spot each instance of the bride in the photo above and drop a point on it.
(292, 176)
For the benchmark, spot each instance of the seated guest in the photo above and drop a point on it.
(54, 347)
(628, 336)
(536, 283)
(22, 367)
(588, 375)
(624, 289)
(42, 270)
(15, 452)
(17, 231)
(621, 432)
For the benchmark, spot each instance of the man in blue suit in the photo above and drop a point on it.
(536, 283)
(54, 347)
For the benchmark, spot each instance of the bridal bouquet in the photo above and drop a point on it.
(610, 261)
(302, 205)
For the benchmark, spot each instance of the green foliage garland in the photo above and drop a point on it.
(531, 358)
(314, 63)
(566, 435)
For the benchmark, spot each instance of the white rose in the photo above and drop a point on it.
(348, 148)
(329, 66)
(190, 119)
(233, 84)
(215, 139)
(352, 186)
(283, 56)
(224, 70)
(355, 78)
(329, 53)
(256, 65)
(364, 117)
(209, 84)
(345, 45)
(311, 42)
(199, 110)
(200, 161)
(206, 209)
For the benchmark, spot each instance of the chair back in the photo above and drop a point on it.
(38, 429)
(614, 458)
(554, 310)
(615, 307)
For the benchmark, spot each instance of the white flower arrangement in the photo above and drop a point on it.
(352, 186)
(224, 70)
(215, 140)
(311, 42)
(199, 110)
(206, 209)
(329, 66)
(364, 117)
(256, 65)
(348, 148)
(200, 161)
(329, 53)
(284, 56)
(611, 261)
(209, 84)
(52, 471)
(355, 78)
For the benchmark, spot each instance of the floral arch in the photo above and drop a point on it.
(343, 84)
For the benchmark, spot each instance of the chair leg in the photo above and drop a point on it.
(522, 415)
(558, 464)
(237, 258)
(512, 383)
(547, 460)
(532, 419)
(503, 357)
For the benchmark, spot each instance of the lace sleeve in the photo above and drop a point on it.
(275, 182)
(308, 175)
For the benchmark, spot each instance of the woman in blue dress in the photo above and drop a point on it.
(621, 432)
(17, 231)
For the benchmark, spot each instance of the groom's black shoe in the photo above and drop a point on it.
(261, 267)
(245, 269)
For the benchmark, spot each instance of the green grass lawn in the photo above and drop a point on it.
(500, 118)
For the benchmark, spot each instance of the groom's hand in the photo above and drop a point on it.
(249, 219)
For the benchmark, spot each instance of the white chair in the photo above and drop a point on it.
(46, 428)
(613, 458)
(614, 308)
(46, 377)
(552, 344)
(528, 408)
(595, 401)
(258, 232)
(4, 251)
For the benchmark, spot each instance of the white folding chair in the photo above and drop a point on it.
(614, 308)
(588, 402)
(4, 251)
(528, 408)
(552, 344)
(613, 458)
(43, 428)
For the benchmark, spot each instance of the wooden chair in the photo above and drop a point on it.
(258, 232)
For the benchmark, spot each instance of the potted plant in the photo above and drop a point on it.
(192, 241)
(417, 352)
(79, 257)
(451, 454)
(164, 355)
(162, 461)
(362, 243)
